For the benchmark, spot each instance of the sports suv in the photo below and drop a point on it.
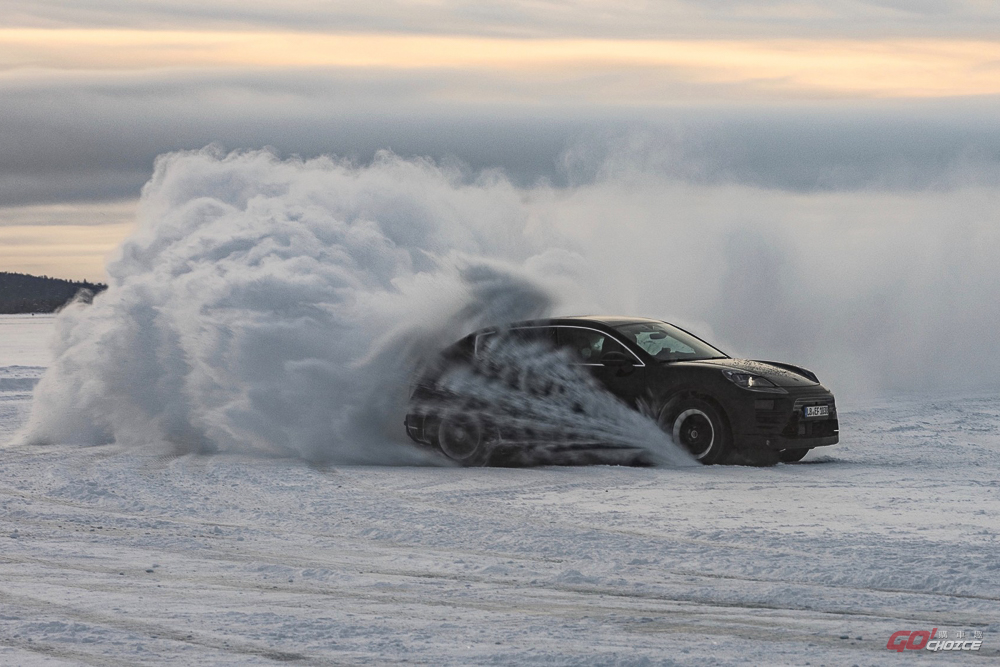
(714, 406)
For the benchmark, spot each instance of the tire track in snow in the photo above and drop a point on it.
(515, 519)
(152, 630)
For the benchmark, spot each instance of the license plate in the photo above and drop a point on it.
(817, 411)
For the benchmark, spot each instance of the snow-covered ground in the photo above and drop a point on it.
(111, 557)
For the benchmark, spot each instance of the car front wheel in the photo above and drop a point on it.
(698, 427)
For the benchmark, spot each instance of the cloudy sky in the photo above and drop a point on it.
(789, 97)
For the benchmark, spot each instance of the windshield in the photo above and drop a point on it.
(668, 343)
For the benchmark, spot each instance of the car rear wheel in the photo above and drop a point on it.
(462, 438)
(792, 455)
(698, 426)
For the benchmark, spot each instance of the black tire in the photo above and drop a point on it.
(793, 455)
(699, 427)
(462, 437)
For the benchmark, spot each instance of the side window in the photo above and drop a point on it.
(586, 345)
(543, 336)
(483, 343)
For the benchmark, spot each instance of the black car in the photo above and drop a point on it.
(713, 405)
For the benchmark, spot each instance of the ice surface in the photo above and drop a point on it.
(24, 353)
(24, 340)
(112, 556)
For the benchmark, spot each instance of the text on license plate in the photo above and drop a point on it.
(817, 411)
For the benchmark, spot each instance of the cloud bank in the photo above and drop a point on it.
(95, 137)
(526, 18)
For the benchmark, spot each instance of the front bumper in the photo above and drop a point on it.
(778, 421)
(777, 442)
(416, 428)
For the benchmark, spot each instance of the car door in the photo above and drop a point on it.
(622, 373)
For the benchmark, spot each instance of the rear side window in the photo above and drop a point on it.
(542, 336)
(460, 351)
(587, 345)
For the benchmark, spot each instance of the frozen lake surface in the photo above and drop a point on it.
(24, 340)
(111, 557)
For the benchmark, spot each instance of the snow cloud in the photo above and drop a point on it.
(279, 306)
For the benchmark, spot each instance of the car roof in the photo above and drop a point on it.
(606, 320)
(610, 320)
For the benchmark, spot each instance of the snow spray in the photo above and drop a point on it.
(280, 306)
(540, 407)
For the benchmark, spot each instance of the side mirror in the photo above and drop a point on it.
(616, 359)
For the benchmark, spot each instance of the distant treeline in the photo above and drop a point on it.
(21, 293)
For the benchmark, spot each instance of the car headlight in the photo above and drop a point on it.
(753, 382)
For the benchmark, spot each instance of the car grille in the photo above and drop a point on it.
(785, 417)
(771, 414)
(800, 427)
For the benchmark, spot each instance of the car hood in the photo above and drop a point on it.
(783, 375)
